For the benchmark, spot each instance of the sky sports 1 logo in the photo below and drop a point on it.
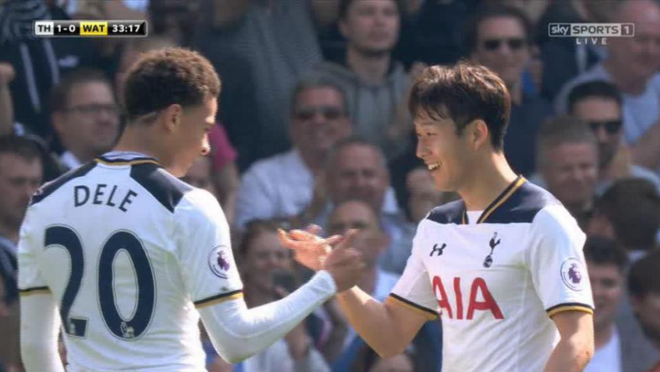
(591, 33)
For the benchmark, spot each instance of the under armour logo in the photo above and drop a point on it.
(438, 249)
(493, 243)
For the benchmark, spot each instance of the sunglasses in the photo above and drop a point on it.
(514, 44)
(328, 112)
(611, 126)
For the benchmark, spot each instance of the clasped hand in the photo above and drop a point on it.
(334, 254)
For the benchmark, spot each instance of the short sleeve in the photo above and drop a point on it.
(204, 251)
(414, 290)
(30, 280)
(557, 263)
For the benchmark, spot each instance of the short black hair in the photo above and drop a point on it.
(31, 147)
(168, 76)
(19, 146)
(632, 205)
(495, 11)
(603, 251)
(344, 6)
(59, 95)
(463, 93)
(596, 88)
(643, 277)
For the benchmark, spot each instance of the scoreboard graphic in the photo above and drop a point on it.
(90, 28)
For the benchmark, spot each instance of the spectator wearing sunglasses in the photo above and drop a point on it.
(632, 65)
(282, 185)
(599, 104)
(85, 116)
(374, 82)
(499, 37)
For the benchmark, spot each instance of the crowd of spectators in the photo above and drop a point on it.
(313, 127)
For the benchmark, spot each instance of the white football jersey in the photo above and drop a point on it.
(497, 281)
(129, 252)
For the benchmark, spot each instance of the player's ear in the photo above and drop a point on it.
(172, 115)
(478, 132)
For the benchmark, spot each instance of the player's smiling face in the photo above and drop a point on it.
(445, 153)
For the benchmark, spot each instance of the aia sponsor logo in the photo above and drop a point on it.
(480, 299)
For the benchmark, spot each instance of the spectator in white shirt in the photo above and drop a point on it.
(282, 185)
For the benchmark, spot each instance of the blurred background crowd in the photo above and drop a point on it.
(313, 127)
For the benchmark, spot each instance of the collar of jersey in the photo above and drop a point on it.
(118, 158)
(503, 197)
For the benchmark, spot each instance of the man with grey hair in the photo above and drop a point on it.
(567, 162)
(282, 185)
(357, 170)
(632, 65)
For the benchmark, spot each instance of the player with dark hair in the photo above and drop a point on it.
(504, 265)
(132, 256)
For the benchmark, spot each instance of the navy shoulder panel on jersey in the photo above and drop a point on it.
(448, 213)
(49, 188)
(523, 205)
(164, 187)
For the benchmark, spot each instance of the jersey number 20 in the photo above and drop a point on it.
(67, 238)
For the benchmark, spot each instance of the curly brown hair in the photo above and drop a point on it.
(168, 76)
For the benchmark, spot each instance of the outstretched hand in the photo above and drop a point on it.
(309, 249)
(344, 263)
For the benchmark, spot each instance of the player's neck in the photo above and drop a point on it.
(489, 178)
(138, 140)
(603, 335)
